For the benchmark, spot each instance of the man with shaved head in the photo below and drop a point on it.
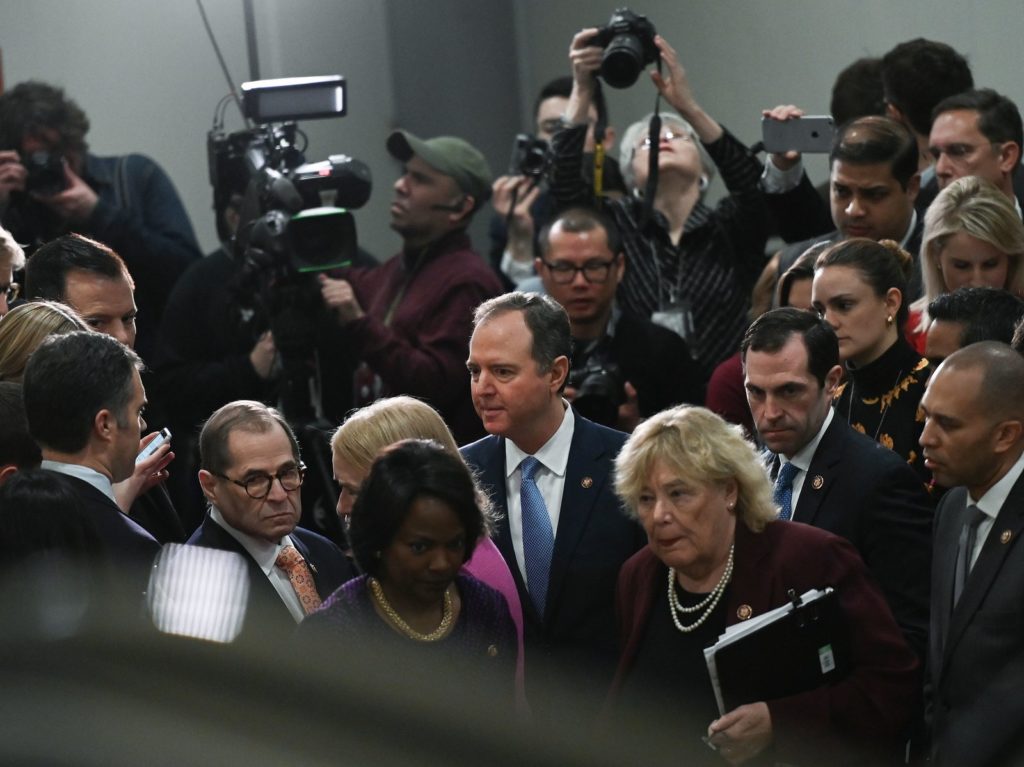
(973, 442)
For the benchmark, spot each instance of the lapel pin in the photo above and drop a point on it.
(587, 483)
(743, 612)
(492, 651)
(818, 482)
(1005, 537)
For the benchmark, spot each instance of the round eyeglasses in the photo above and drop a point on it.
(258, 486)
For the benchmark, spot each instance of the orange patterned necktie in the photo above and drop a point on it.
(291, 561)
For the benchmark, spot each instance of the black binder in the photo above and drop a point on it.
(798, 647)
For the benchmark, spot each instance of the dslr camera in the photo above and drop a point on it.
(600, 389)
(45, 172)
(628, 42)
(531, 157)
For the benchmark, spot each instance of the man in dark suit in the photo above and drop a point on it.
(94, 281)
(84, 401)
(827, 474)
(973, 442)
(548, 470)
(251, 474)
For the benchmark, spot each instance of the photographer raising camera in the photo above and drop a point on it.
(689, 267)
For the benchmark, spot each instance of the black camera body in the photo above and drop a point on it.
(628, 42)
(45, 173)
(531, 157)
(600, 389)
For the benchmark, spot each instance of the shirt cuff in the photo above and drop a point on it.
(776, 181)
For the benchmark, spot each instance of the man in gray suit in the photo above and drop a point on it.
(973, 441)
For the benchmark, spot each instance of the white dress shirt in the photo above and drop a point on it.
(802, 459)
(553, 457)
(991, 503)
(265, 554)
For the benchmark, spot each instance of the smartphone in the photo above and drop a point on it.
(152, 447)
(811, 134)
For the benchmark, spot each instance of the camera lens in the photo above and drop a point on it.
(623, 59)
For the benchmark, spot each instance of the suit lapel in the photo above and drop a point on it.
(821, 473)
(946, 534)
(988, 564)
(585, 479)
(490, 472)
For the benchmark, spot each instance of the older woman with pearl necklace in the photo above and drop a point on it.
(718, 556)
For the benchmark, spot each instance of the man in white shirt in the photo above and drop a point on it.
(829, 475)
(548, 470)
(252, 476)
(973, 441)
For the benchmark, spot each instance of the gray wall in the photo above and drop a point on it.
(145, 73)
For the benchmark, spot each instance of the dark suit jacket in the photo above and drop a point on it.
(128, 544)
(329, 566)
(867, 494)
(594, 538)
(977, 649)
(871, 707)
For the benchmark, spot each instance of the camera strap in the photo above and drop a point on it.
(600, 128)
(654, 138)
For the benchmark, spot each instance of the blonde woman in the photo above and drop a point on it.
(973, 237)
(717, 556)
(23, 328)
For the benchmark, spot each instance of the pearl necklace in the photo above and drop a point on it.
(709, 602)
(439, 633)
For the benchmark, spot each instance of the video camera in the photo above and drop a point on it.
(284, 221)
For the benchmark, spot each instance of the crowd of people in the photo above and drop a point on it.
(512, 475)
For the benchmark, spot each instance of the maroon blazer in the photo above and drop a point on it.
(878, 699)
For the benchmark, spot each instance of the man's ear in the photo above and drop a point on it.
(913, 187)
(559, 371)
(209, 484)
(465, 209)
(832, 379)
(103, 424)
(1009, 156)
(1007, 435)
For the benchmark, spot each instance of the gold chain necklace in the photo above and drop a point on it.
(439, 633)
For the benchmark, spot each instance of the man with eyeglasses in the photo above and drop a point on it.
(12, 258)
(638, 368)
(251, 475)
(976, 133)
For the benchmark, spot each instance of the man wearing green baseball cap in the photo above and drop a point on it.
(410, 319)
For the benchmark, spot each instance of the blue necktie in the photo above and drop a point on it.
(783, 494)
(538, 540)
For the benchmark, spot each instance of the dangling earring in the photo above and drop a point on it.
(888, 320)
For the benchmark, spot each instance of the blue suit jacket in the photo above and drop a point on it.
(594, 537)
(329, 566)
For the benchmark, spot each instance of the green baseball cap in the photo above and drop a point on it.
(451, 156)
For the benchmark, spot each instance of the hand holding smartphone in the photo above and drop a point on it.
(163, 436)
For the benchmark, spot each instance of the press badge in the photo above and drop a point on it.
(677, 317)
